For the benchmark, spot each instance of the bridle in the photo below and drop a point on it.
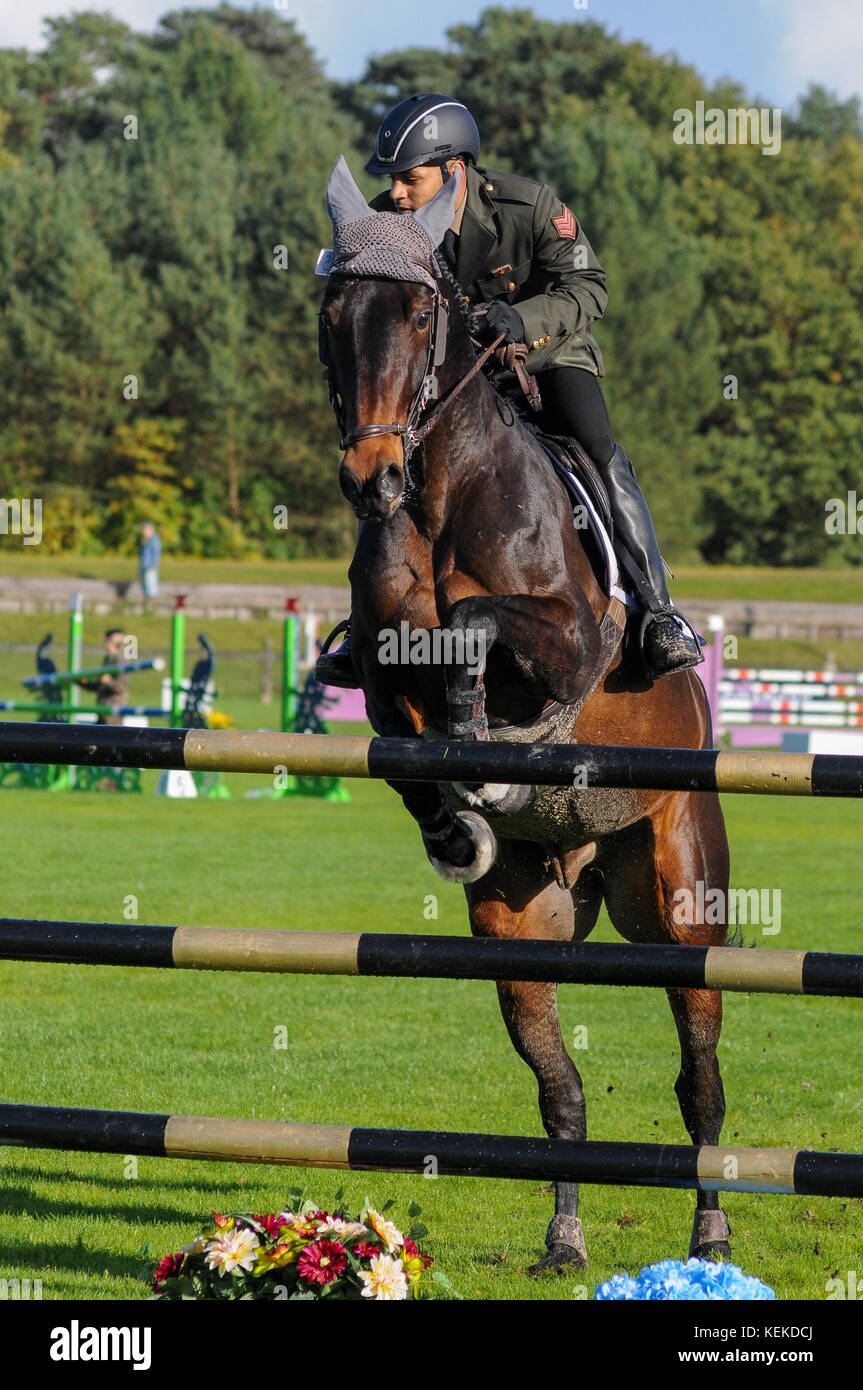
(420, 420)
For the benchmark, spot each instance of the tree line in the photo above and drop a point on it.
(161, 209)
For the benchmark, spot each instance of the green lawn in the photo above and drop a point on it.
(409, 1054)
(175, 569)
(691, 581)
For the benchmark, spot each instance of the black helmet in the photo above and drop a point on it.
(425, 129)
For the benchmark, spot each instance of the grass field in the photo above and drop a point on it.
(691, 581)
(406, 1054)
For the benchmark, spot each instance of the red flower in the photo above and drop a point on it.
(220, 1220)
(365, 1248)
(322, 1261)
(271, 1223)
(413, 1252)
(168, 1265)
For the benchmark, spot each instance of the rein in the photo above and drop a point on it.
(414, 428)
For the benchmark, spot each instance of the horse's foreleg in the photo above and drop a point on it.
(520, 898)
(460, 847)
(550, 645)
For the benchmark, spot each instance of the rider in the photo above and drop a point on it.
(521, 256)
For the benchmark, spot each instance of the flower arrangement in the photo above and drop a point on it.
(297, 1254)
(216, 719)
(696, 1279)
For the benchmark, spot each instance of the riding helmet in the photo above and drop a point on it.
(424, 129)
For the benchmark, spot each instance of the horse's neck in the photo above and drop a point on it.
(470, 435)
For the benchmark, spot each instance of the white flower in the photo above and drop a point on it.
(234, 1250)
(386, 1280)
(388, 1232)
(195, 1246)
(331, 1226)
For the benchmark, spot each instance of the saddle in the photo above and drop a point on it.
(587, 493)
(577, 472)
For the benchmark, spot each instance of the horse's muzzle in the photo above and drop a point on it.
(379, 496)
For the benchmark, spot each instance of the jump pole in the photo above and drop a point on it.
(178, 657)
(790, 1171)
(290, 685)
(290, 666)
(76, 648)
(418, 760)
(156, 663)
(728, 968)
(139, 710)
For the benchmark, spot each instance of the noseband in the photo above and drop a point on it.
(420, 420)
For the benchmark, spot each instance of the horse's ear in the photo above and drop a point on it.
(435, 216)
(345, 202)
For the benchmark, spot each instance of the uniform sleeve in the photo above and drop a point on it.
(577, 293)
(112, 688)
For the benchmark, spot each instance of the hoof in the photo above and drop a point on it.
(484, 852)
(714, 1253)
(710, 1234)
(559, 1260)
(496, 798)
(566, 1247)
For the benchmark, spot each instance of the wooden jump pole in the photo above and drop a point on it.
(802, 1171)
(731, 968)
(224, 750)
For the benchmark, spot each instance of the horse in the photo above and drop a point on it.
(466, 534)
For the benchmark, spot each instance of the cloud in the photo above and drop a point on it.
(819, 41)
(21, 25)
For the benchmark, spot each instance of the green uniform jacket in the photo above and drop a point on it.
(110, 690)
(520, 243)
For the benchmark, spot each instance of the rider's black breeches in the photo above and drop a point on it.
(573, 403)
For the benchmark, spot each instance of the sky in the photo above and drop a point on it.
(775, 48)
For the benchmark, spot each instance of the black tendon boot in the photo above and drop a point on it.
(337, 668)
(668, 643)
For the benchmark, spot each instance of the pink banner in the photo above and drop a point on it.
(351, 705)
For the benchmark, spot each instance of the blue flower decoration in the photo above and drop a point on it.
(696, 1279)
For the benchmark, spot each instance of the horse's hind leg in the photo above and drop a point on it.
(681, 845)
(519, 897)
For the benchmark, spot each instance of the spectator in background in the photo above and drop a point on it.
(111, 690)
(151, 555)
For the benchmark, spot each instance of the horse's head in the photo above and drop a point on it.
(383, 335)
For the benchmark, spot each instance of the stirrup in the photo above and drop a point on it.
(679, 649)
(337, 668)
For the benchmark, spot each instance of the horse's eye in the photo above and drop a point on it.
(423, 318)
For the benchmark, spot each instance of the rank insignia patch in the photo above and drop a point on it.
(566, 225)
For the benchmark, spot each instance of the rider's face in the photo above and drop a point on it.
(415, 187)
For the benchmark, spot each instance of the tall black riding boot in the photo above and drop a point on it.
(668, 642)
(337, 668)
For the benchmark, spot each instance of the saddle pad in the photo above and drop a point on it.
(581, 497)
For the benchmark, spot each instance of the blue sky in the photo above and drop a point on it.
(774, 47)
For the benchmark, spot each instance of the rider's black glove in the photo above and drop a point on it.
(493, 319)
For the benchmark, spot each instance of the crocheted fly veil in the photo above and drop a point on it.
(389, 245)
